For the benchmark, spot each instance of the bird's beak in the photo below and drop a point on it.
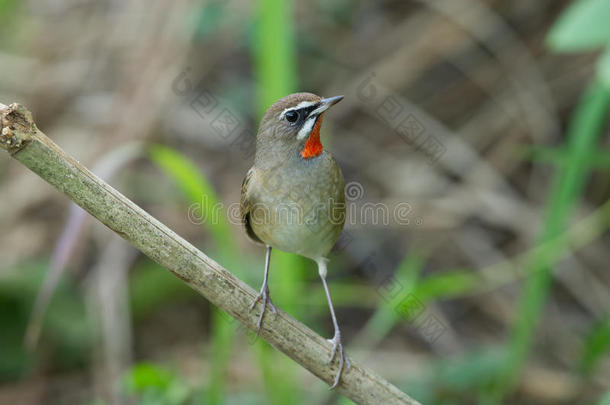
(325, 104)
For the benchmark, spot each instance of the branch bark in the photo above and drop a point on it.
(21, 138)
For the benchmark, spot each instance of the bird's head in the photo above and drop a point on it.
(291, 127)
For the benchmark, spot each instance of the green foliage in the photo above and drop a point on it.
(583, 132)
(596, 346)
(599, 159)
(386, 316)
(153, 385)
(473, 372)
(6, 6)
(446, 285)
(603, 68)
(145, 376)
(151, 287)
(199, 192)
(209, 17)
(605, 399)
(582, 26)
(274, 52)
(463, 379)
(66, 328)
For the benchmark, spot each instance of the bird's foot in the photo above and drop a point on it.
(343, 359)
(266, 298)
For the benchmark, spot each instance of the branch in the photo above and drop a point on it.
(23, 141)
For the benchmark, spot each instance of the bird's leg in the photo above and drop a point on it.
(336, 340)
(264, 293)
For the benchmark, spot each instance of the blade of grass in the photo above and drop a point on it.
(386, 316)
(200, 193)
(599, 159)
(275, 70)
(568, 185)
(274, 52)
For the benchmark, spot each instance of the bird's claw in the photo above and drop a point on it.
(343, 359)
(264, 296)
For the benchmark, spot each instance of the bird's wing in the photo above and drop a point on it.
(245, 206)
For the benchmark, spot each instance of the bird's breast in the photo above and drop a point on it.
(300, 207)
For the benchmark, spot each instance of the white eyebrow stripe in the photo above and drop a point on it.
(306, 128)
(302, 104)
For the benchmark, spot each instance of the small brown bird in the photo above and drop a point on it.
(293, 199)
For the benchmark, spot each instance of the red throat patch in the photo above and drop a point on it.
(313, 146)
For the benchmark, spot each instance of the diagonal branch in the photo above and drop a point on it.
(21, 138)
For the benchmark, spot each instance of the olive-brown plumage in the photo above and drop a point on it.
(292, 198)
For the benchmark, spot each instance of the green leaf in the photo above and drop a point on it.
(583, 26)
(145, 376)
(154, 385)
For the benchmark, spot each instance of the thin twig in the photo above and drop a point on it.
(20, 137)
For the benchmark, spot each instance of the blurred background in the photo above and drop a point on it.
(474, 140)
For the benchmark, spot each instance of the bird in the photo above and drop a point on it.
(293, 199)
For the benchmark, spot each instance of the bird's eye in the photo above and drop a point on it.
(292, 116)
